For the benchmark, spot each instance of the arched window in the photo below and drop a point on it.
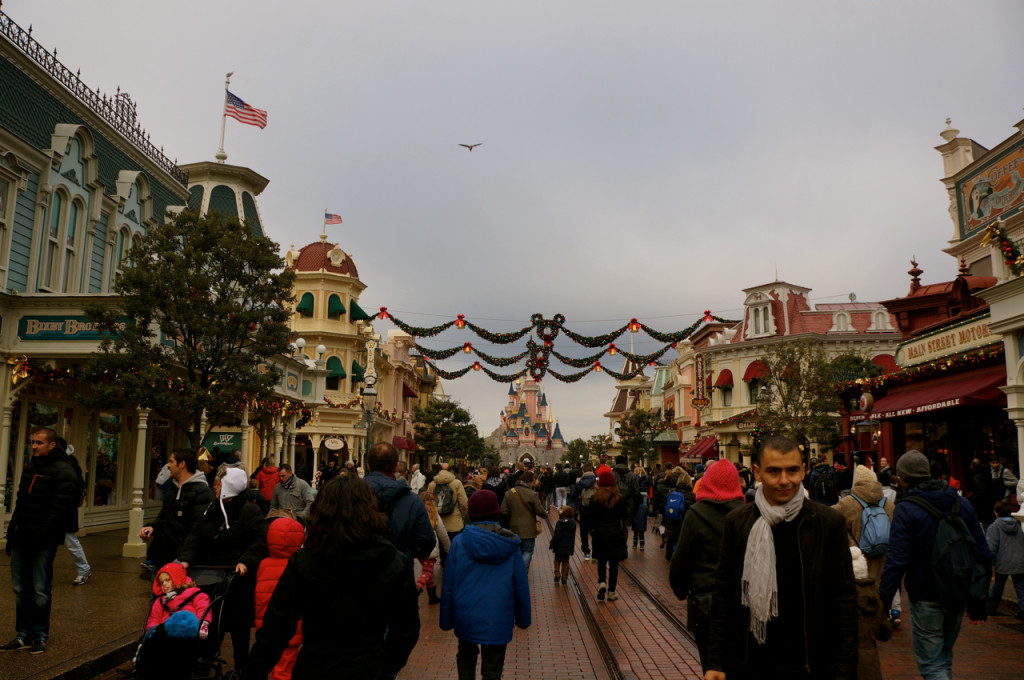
(70, 280)
(757, 321)
(49, 252)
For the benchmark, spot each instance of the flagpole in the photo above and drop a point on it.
(323, 233)
(220, 155)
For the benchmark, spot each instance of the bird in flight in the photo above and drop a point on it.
(471, 146)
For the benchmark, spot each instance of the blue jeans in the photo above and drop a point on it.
(996, 594)
(935, 629)
(526, 547)
(74, 547)
(32, 578)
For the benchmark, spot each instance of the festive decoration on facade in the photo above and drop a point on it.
(989, 354)
(417, 331)
(995, 234)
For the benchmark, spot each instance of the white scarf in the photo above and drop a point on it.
(760, 588)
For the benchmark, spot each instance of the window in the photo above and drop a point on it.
(69, 281)
(755, 390)
(726, 397)
(757, 321)
(51, 243)
(122, 245)
(5, 230)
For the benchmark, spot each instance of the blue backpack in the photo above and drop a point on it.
(674, 505)
(874, 529)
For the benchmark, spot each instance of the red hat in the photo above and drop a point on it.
(720, 482)
(179, 577)
(483, 506)
(606, 478)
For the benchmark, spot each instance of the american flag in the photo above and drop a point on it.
(331, 218)
(244, 113)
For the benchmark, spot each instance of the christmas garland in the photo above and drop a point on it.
(596, 340)
(498, 377)
(731, 419)
(448, 375)
(1014, 259)
(989, 354)
(352, 403)
(415, 331)
(582, 362)
(437, 354)
(573, 377)
(497, 338)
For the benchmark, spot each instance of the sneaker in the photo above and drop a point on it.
(601, 587)
(38, 647)
(612, 596)
(557, 578)
(641, 547)
(81, 580)
(586, 556)
(14, 645)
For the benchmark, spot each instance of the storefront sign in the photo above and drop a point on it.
(946, 341)
(745, 424)
(225, 441)
(995, 190)
(334, 443)
(700, 399)
(61, 328)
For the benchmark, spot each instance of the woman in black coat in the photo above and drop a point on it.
(364, 621)
(607, 519)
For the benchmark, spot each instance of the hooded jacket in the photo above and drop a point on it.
(47, 499)
(1006, 541)
(284, 538)
(188, 599)
(870, 493)
(183, 505)
(362, 624)
(629, 487)
(455, 520)
(210, 542)
(485, 590)
(497, 485)
(563, 540)
(408, 523)
(267, 479)
(587, 481)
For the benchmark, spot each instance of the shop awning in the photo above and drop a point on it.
(704, 448)
(979, 387)
(724, 379)
(408, 391)
(410, 444)
(356, 313)
(399, 443)
(755, 371)
(305, 306)
(334, 368)
(357, 372)
(886, 362)
(335, 306)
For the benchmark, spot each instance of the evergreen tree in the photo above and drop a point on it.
(576, 452)
(445, 430)
(637, 431)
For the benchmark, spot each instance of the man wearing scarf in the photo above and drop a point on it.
(784, 604)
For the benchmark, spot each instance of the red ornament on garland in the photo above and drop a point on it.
(383, 313)
(460, 322)
(707, 316)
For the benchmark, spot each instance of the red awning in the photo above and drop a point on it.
(755, 371)
(410, 444)
(974, 388)
(886, 362)
(408, 391)
(708, 380)
(724, 379)
(399, 443)
(704, 448)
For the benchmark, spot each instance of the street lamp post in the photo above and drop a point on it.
(369, 402)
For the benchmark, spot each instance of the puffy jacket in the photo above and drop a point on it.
(48, 496)
(267, 478)
(182, 506)
(189, 599)
(284, 538)
(362, 624)
(607, 535)
(912, 537)
(485, 590)
(211, 543)
(560, 479)
(587, 481)
(408, 523)
(455, 520)
(520, 510)
(1006, 541)
(563, 541)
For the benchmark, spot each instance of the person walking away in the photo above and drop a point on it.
(581, 497)
(873, 625)
(629, 489)
(561, 483)
(822, 483)
(547, 487)
(363, 622)
(426, 579)
(695, 561)
(496, 483)
(867, 502)
(451, 500)
(520, 510)
(47, 496)
(639, 520)
(408, 525)
(938, 596)
(284, 538)
(485, 591)
(785, 600)
(677, 503)
(608, 512)
(266, 478)
(71, 542)
(417, 480)
(291, 493)
(563, 542)
(982, 497)
(1006, 541)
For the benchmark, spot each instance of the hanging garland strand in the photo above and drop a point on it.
(579, 363)
(644, 359)
(595, 340)
(498, 377)
(416, 331)
(500, 361)
(626, 375)
(498, 338)
(572, 377)
(438, 354)
(448, 375)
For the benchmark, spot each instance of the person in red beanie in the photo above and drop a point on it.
(608, 513)
(695, 561)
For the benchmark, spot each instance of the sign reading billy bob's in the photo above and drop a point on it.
(947, 341)
(61, 328)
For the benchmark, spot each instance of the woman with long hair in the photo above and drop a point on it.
(426, 579)
(608, 535)
(363, 622)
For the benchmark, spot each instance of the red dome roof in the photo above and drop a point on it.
(318, 255)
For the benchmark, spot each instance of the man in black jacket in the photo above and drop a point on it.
(784, 604)
(47, 497)
(185, 500)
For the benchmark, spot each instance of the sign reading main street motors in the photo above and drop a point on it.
(61, 328)
(946, 341)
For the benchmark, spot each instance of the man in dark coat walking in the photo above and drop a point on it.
(47, 497)
(185, 501)
(408, 523)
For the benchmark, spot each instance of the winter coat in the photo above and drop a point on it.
(560, 479)
(267, 478)
(520, 510)
(1006, 541)
(629, 487)
(48, 496)
(1004, 483)
(982, 498)
(455, 520)
(189, 599)
(607, 535)
(485, 591)
(563, 540)
(365, 632)
(829, 594)
(870, 493)
(695, 560)
(872, 625)
(574, 475)
(912, 537)
(295, 495)
(183, 506)
(587, 481)
(408, 525)
(284, 538)
(812, 482)
(497, 485)
(547, 483)
(72, 522)
(661, 491)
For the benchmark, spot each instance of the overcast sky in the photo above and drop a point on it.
(640, 159)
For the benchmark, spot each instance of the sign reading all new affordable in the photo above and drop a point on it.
(946, 341)
(60, 328)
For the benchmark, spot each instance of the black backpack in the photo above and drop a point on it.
(444, 499)
(957, 574)
(824, 486)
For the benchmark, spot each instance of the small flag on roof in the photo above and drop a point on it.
(244, 113)
(331, 218)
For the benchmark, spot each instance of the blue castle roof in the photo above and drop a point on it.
(558, 433)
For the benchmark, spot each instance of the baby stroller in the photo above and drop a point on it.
(171, 651)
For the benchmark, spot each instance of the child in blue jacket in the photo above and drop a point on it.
(484, 591)
(563, 542)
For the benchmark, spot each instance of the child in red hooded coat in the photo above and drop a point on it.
(284, 538)
(174, 592)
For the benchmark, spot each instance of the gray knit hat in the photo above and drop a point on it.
(913, 465)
